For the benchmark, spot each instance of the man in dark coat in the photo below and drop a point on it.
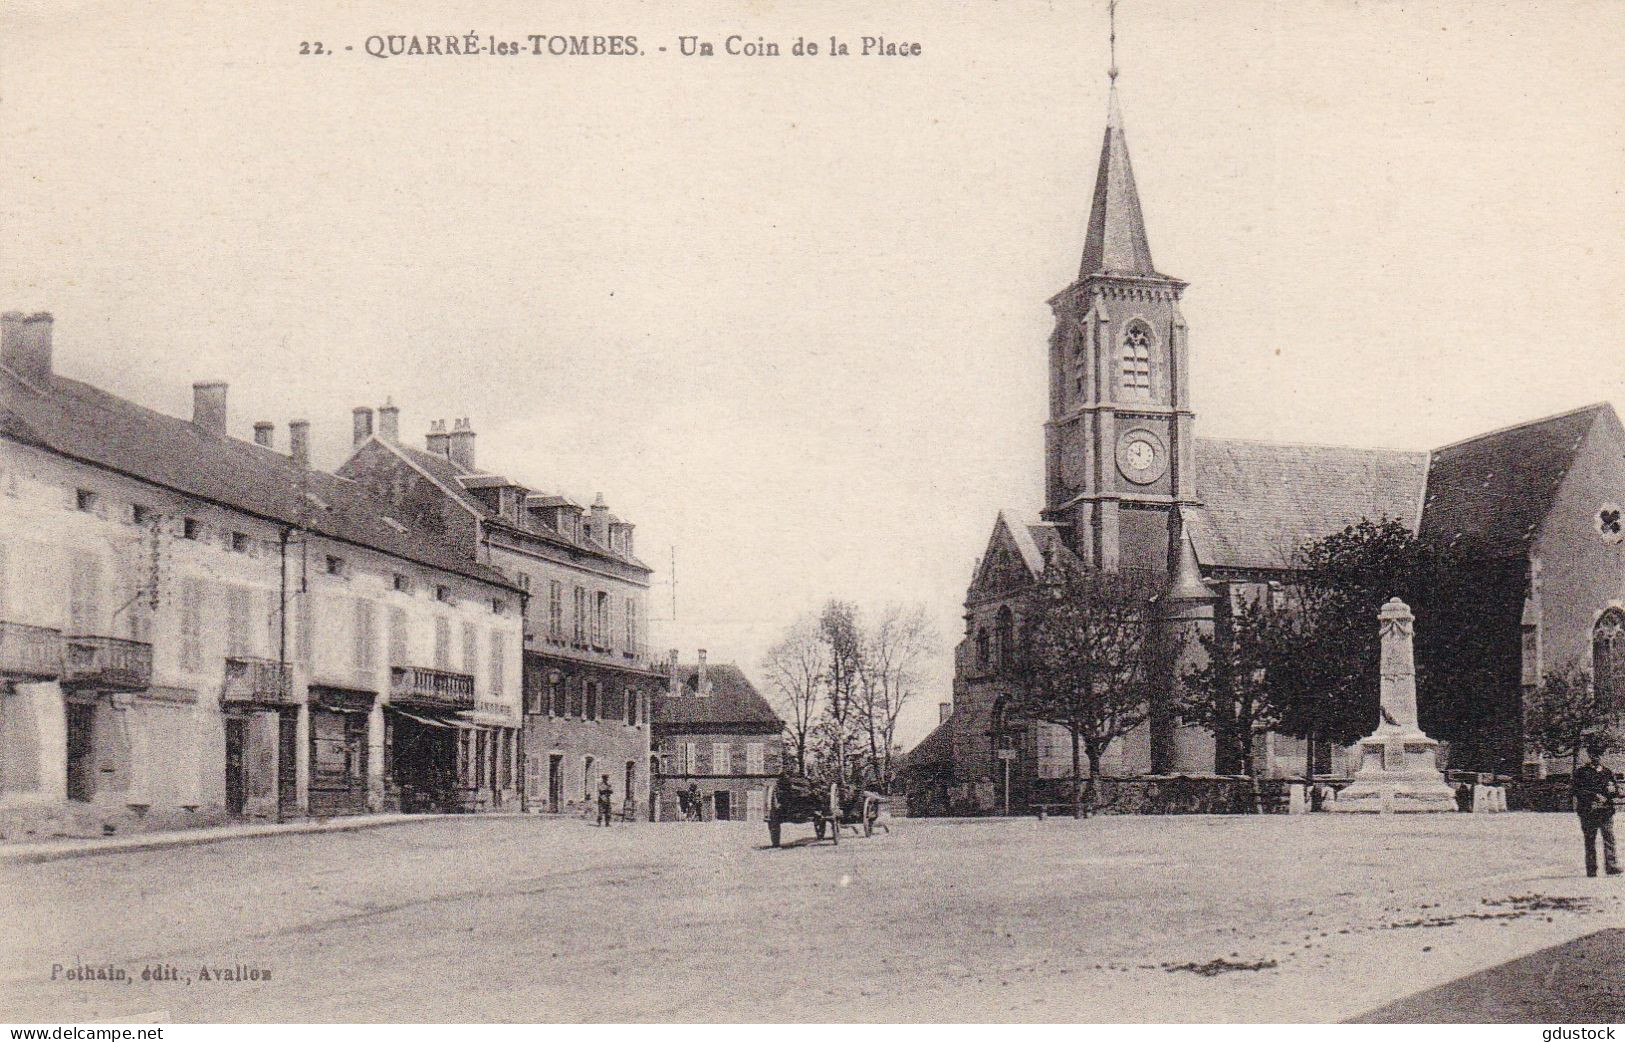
(606, 796)
(1595, 789)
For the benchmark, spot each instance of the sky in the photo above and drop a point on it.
(788, 314)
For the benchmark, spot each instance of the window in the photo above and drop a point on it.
(1531, 654)
(1137, 362)
(631, 626)
(1608, 658)
(555, 610)
(443, 595)
(754, 758)
(402, 583)
(631, 707)
(498, 605)
(1006, 629)
(238, 638)
(364, 654)
(140, 515)
(191, 624)
(580, 622)
(471, 648)
(442, 643)
(555, 694)
(600, 622)
(84, 500)
(721, 758)
(524, 581)
(335, 565)
(691, 759)
(578, 698)
(189, 528)
(593, 691)
(85, 596)
(983, 648)
(399, 636)
(499, 655)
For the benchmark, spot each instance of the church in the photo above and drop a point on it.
(1214, 522)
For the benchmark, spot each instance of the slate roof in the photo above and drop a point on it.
(733, 700)
(1115, 240)
(936, 748)
(82, 422)
(458, 479)
(1500, 486)
(1261, 500)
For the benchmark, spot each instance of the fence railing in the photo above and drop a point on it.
(257, 680)
(436, 687)
(30, 651)
(110, 663)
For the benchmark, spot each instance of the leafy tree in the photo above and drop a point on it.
(1243, 681)
(838, 625)
(1084, 660)
(1566, 713)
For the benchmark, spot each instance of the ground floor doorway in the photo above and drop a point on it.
(555, 783)
(722, 804)
(423, 763)
(81, 751)
(287, 764)
(236, 766)
(338, 752)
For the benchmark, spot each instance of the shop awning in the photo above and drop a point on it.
(430, 721)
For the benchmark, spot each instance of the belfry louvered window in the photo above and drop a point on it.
(1137, 363)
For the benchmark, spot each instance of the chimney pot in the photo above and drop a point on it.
(701, 682)
(389, 422)
(944, 711)
(674, 682)
(299, 441)
(25, 345)
(437, 442)
(460, 444)
(361, 425)
(262, 432)
(209, 407)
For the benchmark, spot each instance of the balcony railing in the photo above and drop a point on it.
(106, 662)
(257, 680)
(435, 687)
(30, 651)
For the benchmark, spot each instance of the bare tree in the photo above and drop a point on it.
(838, 623)
(1085, 660)
(797, 667)
(895, 646)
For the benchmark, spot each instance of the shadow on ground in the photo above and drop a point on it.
(1583, 980)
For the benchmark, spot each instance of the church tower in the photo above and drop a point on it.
(1118, 441)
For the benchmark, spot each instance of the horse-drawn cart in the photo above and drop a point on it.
(798, 800)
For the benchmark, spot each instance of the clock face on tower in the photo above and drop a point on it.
(1141, 457)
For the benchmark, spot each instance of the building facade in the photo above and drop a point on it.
(719, 746)
(195, 628)
(1213, 523)
(588, 680)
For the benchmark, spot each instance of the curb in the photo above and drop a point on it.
(159, 841)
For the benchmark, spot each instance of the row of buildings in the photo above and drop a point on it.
(196, 628)
(1214, 523)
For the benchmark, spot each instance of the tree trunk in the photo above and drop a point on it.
(1077, 779)
(1309, 769)
(1094, 776)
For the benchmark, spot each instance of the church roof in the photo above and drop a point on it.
(1115, 242)
(1500, 486)
(1261, 501)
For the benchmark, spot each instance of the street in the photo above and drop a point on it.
(524, 919)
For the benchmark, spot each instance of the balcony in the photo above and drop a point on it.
(107, 663)
(32, 652)
(257, 681)
(438, 688)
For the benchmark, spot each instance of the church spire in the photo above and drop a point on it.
(1115, 241)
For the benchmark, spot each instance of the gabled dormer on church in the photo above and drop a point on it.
(1118, 442)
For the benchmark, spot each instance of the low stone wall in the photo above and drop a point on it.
(1175, 794)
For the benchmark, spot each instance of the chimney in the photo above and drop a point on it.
(389, 422)
(600, 521)
(460, 446)
(25, 345)
(675, 682)
(701, 684)
(299, 441)
(209, 407)
(438, 440)
(262, 432)
(360, 425)
(944, 711)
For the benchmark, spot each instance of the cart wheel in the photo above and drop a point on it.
(871, 811)
(818, 829)
(773, 832)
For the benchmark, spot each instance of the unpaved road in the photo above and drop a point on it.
(524, 919)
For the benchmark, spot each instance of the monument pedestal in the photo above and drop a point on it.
(1399, 764)
(1399, 774)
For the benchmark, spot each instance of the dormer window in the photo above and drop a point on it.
(335, 565)
(1136, 377)
(403, 583)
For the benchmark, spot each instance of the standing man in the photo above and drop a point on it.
(606, 796)
(1595, 788)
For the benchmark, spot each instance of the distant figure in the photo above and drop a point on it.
(693, 802)
(606, 796)
(1595, 788)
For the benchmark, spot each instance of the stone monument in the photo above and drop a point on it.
(1399, 766)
